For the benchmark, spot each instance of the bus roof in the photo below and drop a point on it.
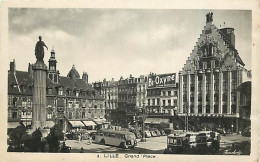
(177, 136)
(115, 131)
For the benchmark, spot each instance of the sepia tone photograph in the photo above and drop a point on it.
(142, 81)
(92, 81)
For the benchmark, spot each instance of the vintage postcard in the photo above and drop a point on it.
(130, 81)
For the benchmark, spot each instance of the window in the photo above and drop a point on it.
(192, 98)
(49, 91)
(208, 64)
(192, 87)
(14, 115)
(207, 108)
(169, 93)
(224, 109)
(200, 87)
(200, 109)
(225, 86)
(233, 109)
(175, 93)
(216, 97)
(70, 115)
(175, 102)
(191, 108)
(60, 92)
(148, 102)
(224, 97)
(215, 109)
(158, 101)
(49, 116)
(153, 102)
(184, 87)
(77, 94)
(164, 93)
(163, 102)
(55, 78)
(70, 104)
(169, 102)
(51, 76)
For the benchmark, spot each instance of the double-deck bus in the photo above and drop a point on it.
(121, 139)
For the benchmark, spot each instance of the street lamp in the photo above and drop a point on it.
(143, 119)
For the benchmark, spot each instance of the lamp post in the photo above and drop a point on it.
(143, 119)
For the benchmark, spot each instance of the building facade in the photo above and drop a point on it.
(210, 77)
(162, 98)
(68, 98)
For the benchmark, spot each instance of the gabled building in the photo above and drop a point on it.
(70, 100)
(209, 79)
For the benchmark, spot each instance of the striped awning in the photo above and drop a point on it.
(76, 124)
(88, 123)
(12, 124)
(99, 121)
(49, 124)
(156, 120)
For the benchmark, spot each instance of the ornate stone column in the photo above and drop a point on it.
(220, 91)
(196, 93)
(203, 93)
(229, 92)
(180, 92)
(39, 95)
(188, 91)
(212, 92)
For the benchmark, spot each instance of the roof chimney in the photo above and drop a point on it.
(85, 77)
(12, 66)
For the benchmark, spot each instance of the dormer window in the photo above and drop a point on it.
(60, 92)
(49, 91)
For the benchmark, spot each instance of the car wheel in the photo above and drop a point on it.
(102, 142)
(122, 145)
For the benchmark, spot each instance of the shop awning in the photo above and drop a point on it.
(49, 124)
(28, 122)
(99, 121)
(88, 123)
(156, 120)
(76, 123)
(12, 124)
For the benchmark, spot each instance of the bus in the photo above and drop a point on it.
(121, 139)
(177, 144)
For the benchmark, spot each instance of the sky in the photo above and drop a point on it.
(109, 43)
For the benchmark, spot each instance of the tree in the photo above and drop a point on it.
(54, 137)
(36, 143)
(15, 138)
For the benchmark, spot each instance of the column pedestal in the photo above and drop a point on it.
(39, 95)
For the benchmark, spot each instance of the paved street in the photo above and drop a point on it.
(154, 145)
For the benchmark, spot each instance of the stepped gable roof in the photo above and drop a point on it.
(238, 58)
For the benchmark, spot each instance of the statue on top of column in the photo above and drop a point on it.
(209, 17)
(39, 50)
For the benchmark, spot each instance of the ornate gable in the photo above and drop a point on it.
(212, 45)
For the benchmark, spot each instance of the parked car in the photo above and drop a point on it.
(246, 132)
(163, 133)
(154, 134)
(147, 134)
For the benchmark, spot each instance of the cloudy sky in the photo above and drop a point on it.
(109, 43)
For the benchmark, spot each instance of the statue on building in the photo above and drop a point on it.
(39, 50)
(209, 17)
